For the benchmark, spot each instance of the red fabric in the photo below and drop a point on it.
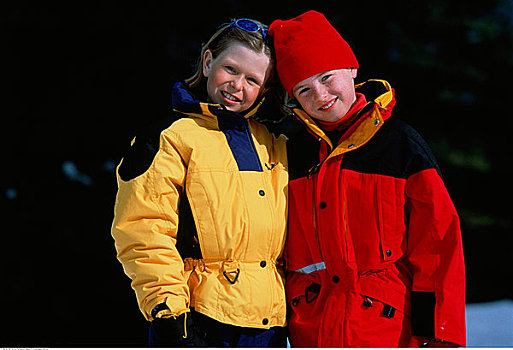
(367, 270)
(308, 45)
(379, 236)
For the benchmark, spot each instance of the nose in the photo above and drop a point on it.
(319, 91)
(236, 82)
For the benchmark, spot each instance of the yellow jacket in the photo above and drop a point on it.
(232, 175)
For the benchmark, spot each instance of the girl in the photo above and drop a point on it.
(374, 250)
(200, 214)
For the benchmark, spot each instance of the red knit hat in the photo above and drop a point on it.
(308, 45)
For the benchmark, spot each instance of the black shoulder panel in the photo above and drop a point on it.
(139, 157)
(396, 150)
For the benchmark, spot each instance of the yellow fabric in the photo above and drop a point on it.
(237, 227)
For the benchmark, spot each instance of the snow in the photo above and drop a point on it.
(490, 324)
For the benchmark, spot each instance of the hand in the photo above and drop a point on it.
(176, 331)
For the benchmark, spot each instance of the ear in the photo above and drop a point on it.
(207, 63)
(354, 72)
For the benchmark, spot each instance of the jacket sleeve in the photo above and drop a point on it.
(150, 180)
(435, 255)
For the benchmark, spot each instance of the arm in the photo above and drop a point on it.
(150, 180)
(435, 255)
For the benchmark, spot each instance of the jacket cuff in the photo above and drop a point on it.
(170, 307)
(423, 314)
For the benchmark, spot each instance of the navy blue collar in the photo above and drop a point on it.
(183, 100)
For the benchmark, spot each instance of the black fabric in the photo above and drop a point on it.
(221, 335)
(140, 155)
(423, 314)
(396, 150)
(176, 332)
(302, 147)
(372, 89)
(187, 242)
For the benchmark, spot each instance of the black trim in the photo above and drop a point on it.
(423, 314)
(187, 242)
(140, 155)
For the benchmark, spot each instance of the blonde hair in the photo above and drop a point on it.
(226, 35)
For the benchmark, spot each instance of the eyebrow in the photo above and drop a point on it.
(305, 85)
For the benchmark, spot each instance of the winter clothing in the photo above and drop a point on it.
(312, 38)
(221, 335)
(177, 331)
(374, 250)
(200, 215)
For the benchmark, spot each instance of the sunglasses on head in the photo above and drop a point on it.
(248, 25)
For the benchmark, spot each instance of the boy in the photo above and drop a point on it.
(374, 251)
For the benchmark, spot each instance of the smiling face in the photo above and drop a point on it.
(236, 77)
(327, 96)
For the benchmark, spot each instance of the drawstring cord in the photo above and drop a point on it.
(184, 321)
(185, 326)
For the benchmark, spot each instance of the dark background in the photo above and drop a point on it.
(79, 78)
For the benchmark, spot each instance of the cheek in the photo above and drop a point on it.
(252, 94)
(214, 81)
(217, 77)
(306, 104)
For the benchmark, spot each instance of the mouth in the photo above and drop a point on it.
(229, 98)
(328, 104)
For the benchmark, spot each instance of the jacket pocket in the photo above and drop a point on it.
(383, 325)
(387, 286)
(302, 289)
(391, 214)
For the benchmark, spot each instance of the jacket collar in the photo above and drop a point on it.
(381, 99)
(184, 101)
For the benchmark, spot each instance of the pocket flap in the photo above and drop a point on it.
(297, 283)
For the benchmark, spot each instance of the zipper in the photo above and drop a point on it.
(314, 211)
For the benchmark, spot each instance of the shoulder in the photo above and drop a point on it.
(139, 157)
(406, 140)
(405, 131)
(396, 150)
(267, 130)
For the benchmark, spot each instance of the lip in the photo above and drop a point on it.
(328, 105)
(229, 101)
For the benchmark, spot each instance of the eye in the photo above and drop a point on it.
(303, 90)
(326, 77)
(230, 69)
(253, 81)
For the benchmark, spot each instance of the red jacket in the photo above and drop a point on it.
(374, 251)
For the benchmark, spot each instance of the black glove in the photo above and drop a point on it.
(176, 331)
